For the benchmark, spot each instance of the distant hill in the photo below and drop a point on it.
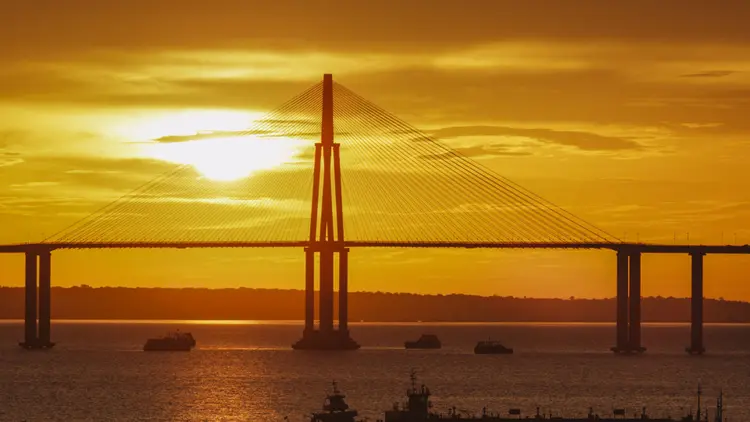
(85, 302)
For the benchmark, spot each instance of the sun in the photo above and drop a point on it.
(205, 140)
(230, 158)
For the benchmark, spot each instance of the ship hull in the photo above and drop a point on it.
(415, 345)
(156, 345)
(396, 416)
(493, 351)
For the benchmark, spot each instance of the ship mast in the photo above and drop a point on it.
(698, 413)
(720, 407)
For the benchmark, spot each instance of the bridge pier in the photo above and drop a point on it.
(38, 302)
(628, 325)
(344, 291)
(621, 346)
(309, 290)
(696, 304)
(634, 340)
(31, 302)
(326, 336)
(326, 291)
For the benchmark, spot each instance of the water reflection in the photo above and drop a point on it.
(247, 372)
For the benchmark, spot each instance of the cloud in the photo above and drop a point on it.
(582, 140)
(32, 185)
(84, 178)
(208, 135)
(616, 85)
(478, 152)
(52, 28)
(600, 96)
(8, 159)
(85, 171)
(260, 129)
(709, 74)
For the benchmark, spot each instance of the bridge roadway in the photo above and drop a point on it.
(626, 247)
(38, 275)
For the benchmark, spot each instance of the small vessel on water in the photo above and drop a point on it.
(335, 409)
(426, 341)
(490, 347)
(418, 405)
(175, 341)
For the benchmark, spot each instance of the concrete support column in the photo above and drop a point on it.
(696, 305)
(309, 290)
(45, 303)
(635, 303)
(622, 302)
(30, 338)
(344, 290)
(326, 290)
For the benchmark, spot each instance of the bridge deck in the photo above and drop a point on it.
(634, 247)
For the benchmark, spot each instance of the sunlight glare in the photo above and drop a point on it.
(150, 125)
(231, 158)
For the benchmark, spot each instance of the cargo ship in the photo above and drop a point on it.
(172, 342)
(418, 405)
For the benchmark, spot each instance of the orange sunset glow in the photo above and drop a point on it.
(632, 117)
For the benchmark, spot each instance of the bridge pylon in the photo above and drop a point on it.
(327, 241)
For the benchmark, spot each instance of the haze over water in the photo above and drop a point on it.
(246, 371)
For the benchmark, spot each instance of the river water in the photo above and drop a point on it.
(245, 371)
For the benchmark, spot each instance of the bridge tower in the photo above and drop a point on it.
(327, 241)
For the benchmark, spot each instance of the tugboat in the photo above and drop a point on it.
(335, 409)
(172, 342)
(426, 341)
(490, 347)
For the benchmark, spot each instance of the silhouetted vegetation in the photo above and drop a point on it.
(84, 302)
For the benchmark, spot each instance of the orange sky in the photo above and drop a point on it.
(632, 115)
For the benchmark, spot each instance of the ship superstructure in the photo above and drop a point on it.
(335, 409)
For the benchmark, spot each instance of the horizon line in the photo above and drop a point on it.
(571, 298)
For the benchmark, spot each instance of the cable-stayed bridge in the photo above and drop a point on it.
(350, 175)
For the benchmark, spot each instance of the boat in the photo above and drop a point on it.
(418, 405)
(490, 347)
(335, 409)
(426, 341)
(175, 341)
